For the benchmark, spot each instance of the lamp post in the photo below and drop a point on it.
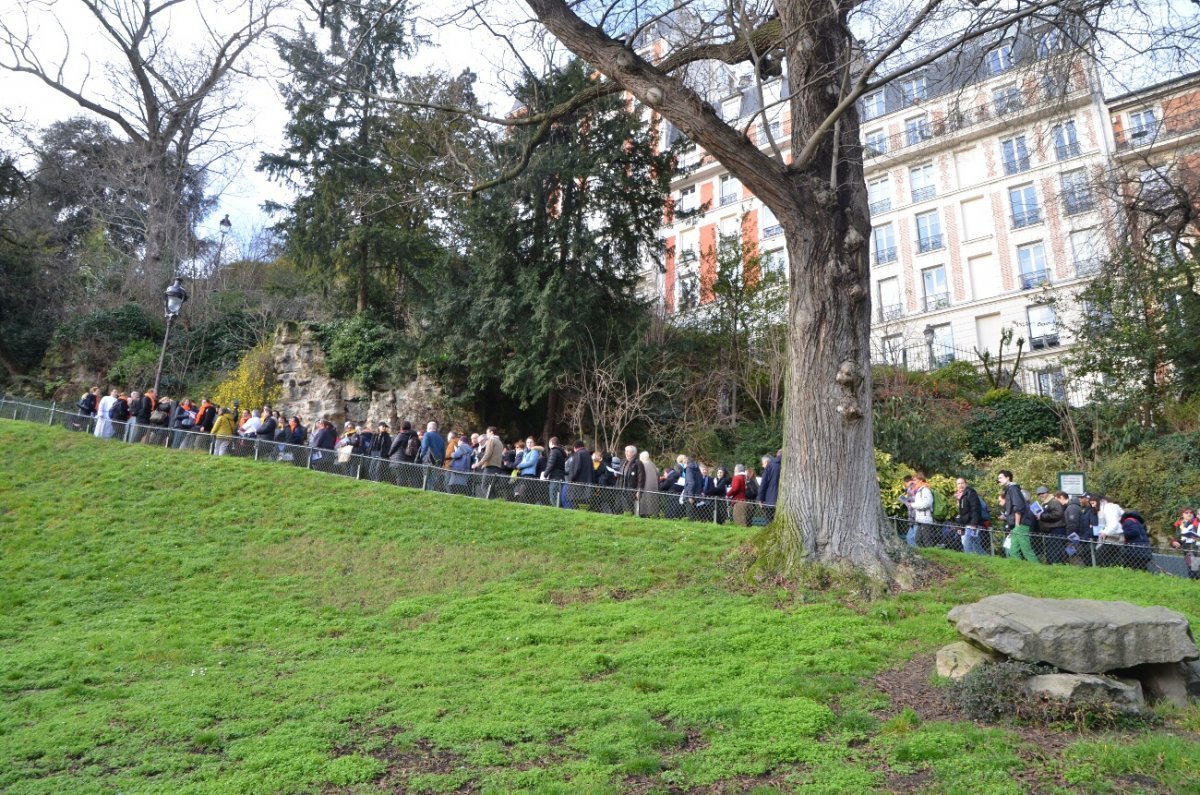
(174, 298)
(929, 333)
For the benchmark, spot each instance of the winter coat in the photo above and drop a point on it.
(1053, 519)
(224, 427)
(737, 488)
(556, 464)
(969, 514)
(768, 486)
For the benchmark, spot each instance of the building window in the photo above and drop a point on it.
(913, 90)
(1066, 142)
(1052, 384)
(894, 352)
(1086, 251)
(1154, 189)
(879, 195)
(1000, 59)
(1043, 327)
(688, 200)
(773, 262)
(1076, 192)
(1016, 155)
(921, 179)
(876, 144)
(730, 189)
(689, 291)
(769, 223)
(917, 130)
(873, 106)
(1031, 260)
(942, 348)
(937, 293)
(890, 306)
(1050, 42)
(1143, 125)
(883, 243)
(1025, 209)
(929, 232)
(1006, 99)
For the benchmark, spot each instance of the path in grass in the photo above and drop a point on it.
(172, 622)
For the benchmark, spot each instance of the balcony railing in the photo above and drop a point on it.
(929, 243)
(1044, 341)
(936, 301)
(1088, 266)
(1068, 150)
(881, 206)
(1026, 217)
(774, 230)
(1004, 104)
(891, 312)
(884, 255)
(1078, 201)
(1034, 279)
(923, 194)
(918, 133)
(728, 198)
(1016, 165)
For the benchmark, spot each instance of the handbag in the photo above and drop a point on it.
(158, 417)
(1007, 543)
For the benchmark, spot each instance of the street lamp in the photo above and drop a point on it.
(226, 227)
(929, 334)
(174, 298)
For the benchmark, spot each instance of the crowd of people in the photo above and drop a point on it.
(553, 474)
(1048, 526)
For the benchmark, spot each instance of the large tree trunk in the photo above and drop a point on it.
(829, 509)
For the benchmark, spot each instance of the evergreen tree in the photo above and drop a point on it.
(359, 222)
(549, 261)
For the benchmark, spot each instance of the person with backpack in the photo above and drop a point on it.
(969, 517)
(1015, 517)
(1053, 524)
(1135, 552)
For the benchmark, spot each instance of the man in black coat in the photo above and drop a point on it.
(266, 434)
(398, 450)
(632, 479)
(322, 442)
(579, 474)
(1053, 524)
(969, 518)
(555, 472)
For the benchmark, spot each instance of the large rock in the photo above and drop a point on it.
(307, 390)
(1163, 682)
(1078, 635)
(1125, 694)
(959, 659)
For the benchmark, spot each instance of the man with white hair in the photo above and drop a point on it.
(632, 479)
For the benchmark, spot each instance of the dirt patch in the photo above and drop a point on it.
(776, 779)
(909, 686)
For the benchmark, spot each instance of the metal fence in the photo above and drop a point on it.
(1051, 548)
(505, 487)
(594, 498)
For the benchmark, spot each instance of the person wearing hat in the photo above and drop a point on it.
(1053, 524)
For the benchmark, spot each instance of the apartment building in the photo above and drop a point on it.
(997, 184)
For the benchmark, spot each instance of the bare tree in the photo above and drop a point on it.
(831, 55)
(170, 93)
(610, 393)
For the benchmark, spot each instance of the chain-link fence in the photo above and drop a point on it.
(587, 496)
(579, 496)
(1053, 548)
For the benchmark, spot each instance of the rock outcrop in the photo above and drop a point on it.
(1076, 635)
(1126, 694)
(959, 659)
(309, 391)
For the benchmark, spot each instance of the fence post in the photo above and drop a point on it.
(1092, 544)
(308, 462)
(52, 405)
(558, 490)
(424, 477)
(256, 449)
(358, 474)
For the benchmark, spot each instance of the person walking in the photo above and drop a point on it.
(432, 454)
(1053, 524)
(650, 502)
(1015, 518)
(969, 517)
(632, 479)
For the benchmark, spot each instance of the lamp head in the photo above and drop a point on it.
(175, 297)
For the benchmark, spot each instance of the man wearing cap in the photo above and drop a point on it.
(1053, 524)
(1016, 517)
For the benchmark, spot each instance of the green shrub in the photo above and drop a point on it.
(1155, 479)
(360, 349)
(1005, 419)
(135, 365)
(996, 691)
(1032, 465)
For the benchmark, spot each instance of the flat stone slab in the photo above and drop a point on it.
(1124, 693)
(1083, 636)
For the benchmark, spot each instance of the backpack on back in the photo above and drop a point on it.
(940, 506)
(984, 514)
(412, 448)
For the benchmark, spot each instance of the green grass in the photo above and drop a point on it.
(175, 623)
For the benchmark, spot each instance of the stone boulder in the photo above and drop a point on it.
(1125, 694)
(959, 659)
(1078, 635)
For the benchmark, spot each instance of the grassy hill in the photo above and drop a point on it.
(171, 622)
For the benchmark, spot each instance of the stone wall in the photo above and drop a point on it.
(310, 392)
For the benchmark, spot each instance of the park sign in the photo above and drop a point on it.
(1073, 483)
